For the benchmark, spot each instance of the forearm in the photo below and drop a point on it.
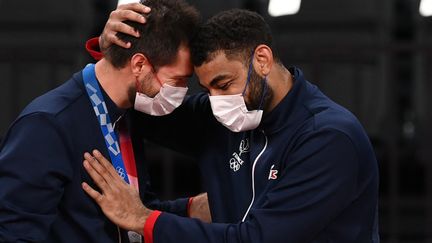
(178, 207)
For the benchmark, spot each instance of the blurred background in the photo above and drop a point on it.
(372, 56)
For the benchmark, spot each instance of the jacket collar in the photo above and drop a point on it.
(289, 111)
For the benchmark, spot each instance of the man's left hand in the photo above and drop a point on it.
(119, 201)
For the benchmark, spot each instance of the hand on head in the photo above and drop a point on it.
(133, 12)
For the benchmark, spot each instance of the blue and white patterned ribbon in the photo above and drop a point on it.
(101, 111)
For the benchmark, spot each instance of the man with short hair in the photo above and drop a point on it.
(281, 162)
(41, 171)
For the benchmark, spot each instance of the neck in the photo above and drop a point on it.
(114, 83)
(280, 81)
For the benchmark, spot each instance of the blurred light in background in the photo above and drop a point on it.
(120, 2)
(426, 8)
(284, 7)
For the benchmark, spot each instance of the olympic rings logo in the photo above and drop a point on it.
(121, 172)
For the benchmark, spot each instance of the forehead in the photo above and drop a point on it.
(182, 65)
(218, 65)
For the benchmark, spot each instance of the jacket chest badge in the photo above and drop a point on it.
(273, 173)
(236, 162)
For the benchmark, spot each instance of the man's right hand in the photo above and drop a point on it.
(130, 11)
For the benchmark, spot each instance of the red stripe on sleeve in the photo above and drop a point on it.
(149, 225)
(189, 206)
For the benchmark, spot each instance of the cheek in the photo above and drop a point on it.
(148, 85)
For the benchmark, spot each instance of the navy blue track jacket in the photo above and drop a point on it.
(41, 199)
(308, 173)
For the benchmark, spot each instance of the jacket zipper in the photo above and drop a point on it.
(253, 176)
(119, 234)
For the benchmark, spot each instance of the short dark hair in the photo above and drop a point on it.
(169, 24)
(235, 32)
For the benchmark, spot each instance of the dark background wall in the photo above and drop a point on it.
(373, 57)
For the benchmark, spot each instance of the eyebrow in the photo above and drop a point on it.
(217, 79)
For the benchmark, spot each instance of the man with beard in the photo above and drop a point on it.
(41, 171)
(281, 162)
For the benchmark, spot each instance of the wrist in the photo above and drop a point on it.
(141, 220)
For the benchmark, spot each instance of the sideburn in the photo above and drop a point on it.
(256, 89)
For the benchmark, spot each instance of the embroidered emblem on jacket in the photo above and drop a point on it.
(273, 173)
(236, 161)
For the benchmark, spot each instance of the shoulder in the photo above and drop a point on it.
(327, 115)
(57, 100)
(333, 126)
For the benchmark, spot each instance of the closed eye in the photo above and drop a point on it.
(224, 86)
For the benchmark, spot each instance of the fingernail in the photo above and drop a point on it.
(147, 9)
(96, 153)
(85, 163)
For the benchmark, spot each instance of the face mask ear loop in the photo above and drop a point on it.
(249, 74)
(153, 70)
(265, 84)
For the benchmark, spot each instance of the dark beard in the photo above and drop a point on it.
(142, 87)
(255, 91)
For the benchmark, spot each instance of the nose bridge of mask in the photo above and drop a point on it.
(166, 100)
(172, 95)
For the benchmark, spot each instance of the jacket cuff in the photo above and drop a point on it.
(189, 206)
(92, 47)
(149, 226)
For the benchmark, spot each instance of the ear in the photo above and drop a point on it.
(139, 64)
(263, 60)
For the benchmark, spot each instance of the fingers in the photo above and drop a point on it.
(115, 22)
(110, 38)
(137, 7)
(112, 27)
(92, 193)
(133, 12)
(106, 164)
(97, 172)
(126, 14)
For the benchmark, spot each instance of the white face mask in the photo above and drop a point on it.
(231, 111)
(165, 102)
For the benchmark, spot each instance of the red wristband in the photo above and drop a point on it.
(149, 226)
